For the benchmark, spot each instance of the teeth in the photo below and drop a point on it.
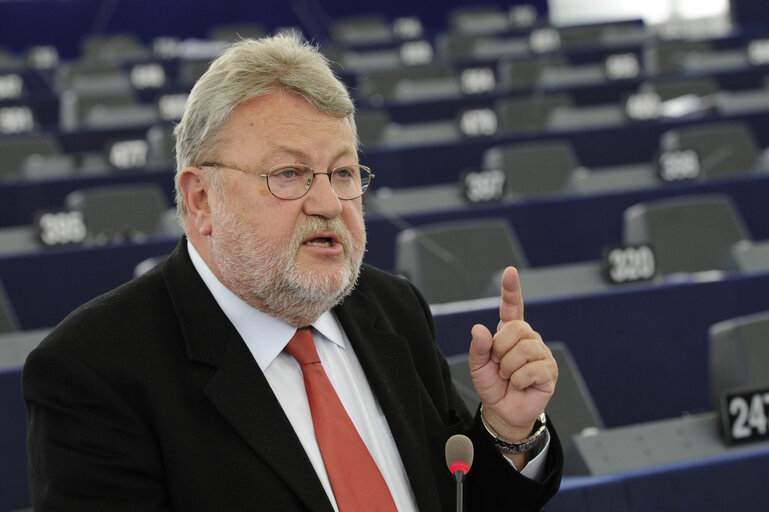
(320, 243)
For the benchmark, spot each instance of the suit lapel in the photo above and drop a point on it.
(389, 367)
(238, 389)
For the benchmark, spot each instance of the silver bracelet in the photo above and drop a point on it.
(525, 445)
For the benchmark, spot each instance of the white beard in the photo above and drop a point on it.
(265, 276)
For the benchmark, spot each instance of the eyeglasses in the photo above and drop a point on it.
(292, 181)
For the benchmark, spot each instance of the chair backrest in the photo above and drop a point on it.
(571, 407)
(670, 89)
(120, 47)
(455, 260)
(723, 149)
(688, 234)
(522, 74)
(477, 19)
(528, 114)
(384, 84)
(533, 168)
(121, 211)
(160, 146)
(16, 150)
(669, 56)
(361, 29)
(738, 354)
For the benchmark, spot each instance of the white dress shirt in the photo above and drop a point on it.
(266, 337)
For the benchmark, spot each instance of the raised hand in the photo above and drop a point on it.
(513, 371)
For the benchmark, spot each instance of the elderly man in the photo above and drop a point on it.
(262, 366)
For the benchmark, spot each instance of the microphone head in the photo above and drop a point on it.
(459, 453)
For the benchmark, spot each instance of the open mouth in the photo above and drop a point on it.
(320, 242)
(325, 240)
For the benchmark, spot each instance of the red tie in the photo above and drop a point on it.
(355, 478)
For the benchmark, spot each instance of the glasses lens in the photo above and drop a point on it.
(289, 181)
(350, 181)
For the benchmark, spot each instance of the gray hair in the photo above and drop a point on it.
(248, 69)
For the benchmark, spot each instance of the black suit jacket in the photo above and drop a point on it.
(148, 399)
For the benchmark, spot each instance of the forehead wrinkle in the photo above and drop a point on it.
(302, 156)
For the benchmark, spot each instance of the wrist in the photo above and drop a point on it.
(517, 446)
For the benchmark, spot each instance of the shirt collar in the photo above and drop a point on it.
(265, 336)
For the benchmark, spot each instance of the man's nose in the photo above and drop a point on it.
(321, 198)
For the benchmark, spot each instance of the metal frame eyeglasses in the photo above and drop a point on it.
(292, 181)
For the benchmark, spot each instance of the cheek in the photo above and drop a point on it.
(353, 219)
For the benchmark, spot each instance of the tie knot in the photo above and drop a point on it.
(302, 348)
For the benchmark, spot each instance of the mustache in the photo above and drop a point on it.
(321, 224)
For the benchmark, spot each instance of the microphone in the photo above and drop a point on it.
(459, 458)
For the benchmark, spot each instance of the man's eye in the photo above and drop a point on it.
(345, 173)
(288, 173)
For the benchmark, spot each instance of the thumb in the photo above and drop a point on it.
(480, 347)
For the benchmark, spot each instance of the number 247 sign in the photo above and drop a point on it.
(745, 415)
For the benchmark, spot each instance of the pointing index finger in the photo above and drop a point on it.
(511, 307)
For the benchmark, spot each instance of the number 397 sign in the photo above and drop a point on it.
(745, 415)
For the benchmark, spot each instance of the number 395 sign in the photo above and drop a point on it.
(745, 415)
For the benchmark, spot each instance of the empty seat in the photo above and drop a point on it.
(9, 61)
(534, 168)
(688, 234)
(466, 47)
(93, 77)
(120, 211)
(160, 146)
(105, 110)
(191, 70)
(528, 114)
(477, 19)
(382, 85)
(17, 150)
(670, 89)
(370, 125)
(455, 260)
(523, 74)
(605, 35)
(738, 354)
(723, 149)
(670, 56)
(113, 48)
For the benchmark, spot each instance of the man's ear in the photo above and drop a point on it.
(195, 193)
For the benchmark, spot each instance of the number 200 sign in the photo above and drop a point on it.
(745, 415)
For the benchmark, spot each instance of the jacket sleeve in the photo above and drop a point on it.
(88, 450)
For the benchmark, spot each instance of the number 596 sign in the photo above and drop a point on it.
(745, 415)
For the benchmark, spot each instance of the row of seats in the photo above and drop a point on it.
(688, 235)
(458, 260)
